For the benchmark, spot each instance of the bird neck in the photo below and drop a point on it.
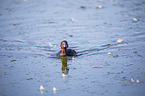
(63, 50)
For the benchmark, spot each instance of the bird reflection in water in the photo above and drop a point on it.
(64, 67)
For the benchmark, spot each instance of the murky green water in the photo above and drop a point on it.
(28, 28)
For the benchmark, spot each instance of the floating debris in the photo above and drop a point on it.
(115, 55)
(73, 20)
(112, 0)
(121, 71)
(100, 0)
(109, 53)
(29, 79)
(83, 6)
(70, 35)
(13, 60)
(99, 7)
(54, 90)
(73, 59)
(132, 80)
(64, 76)
(137, 81)
(42, 88)
(26, 0)
(108, 44)
(14, 24)
(97, 67)
(119, 41)
(50, 45)
(135, 20)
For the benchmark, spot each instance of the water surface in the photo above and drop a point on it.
(28, 28)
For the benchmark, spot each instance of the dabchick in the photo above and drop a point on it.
(64, 51)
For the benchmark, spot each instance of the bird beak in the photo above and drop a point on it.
(65, 46)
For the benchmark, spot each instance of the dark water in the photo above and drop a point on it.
(27, 59)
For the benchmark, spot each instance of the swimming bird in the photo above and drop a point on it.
(65, 51)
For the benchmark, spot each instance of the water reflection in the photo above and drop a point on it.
(64, 67)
